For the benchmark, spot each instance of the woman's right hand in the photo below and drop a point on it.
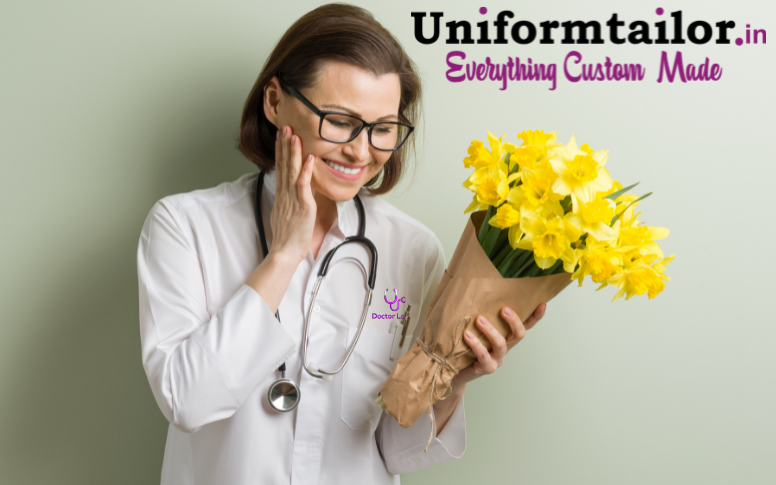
(294, 210)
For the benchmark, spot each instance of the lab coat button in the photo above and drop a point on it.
(317, 309)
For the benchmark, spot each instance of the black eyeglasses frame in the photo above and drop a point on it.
(322, 114)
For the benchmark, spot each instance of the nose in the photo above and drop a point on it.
(358, 148)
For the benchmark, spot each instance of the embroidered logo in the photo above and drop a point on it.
(396, 300)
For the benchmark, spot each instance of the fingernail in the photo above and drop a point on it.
(482, 321)
(469, 335)
(507, 312)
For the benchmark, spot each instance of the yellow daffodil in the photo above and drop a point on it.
(516, 196)
(537, 190)
(560, 209)
(660, 266)
(598, 260)
(580, 172)
(549, 239)
(538, 138)
(534, 148)
(474, 150)
(507, 216)
(490, 186)
(639, 237)
(626, 203)
(594, 218)
(528, 156)
(641, 278)
(480, 157)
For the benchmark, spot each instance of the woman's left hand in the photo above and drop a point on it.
(488, 362)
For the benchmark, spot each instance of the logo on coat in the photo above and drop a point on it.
(396, 301)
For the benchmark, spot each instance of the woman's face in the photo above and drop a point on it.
(347, 89)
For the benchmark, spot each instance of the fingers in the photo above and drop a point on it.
(284, 153)
(284, 163)
(497, 341)
(305, 192)
(538, 314)
(294, 210)
(485, 363)
(279, 159)
(288, 162)
(516, 326)
(488, 362)
(295, 159)
(295, 165)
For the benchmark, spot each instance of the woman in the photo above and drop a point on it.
(211, 341)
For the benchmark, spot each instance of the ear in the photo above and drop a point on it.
(273, 95)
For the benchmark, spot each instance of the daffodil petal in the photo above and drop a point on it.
(656, 233)
(544, 263)
(515, 233)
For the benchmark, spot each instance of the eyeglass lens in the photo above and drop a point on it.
(341, 128)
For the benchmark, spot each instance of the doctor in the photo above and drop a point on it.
(211, 342)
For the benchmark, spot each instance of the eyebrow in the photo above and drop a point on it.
(354, 113)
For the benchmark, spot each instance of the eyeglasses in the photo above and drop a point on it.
(341, 128)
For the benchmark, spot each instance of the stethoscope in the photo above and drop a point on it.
(284, 395)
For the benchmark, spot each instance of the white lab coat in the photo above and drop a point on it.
(211, 346)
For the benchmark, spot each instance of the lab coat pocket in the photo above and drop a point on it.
(366, 371)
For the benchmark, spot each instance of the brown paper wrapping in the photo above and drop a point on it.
(470, 286)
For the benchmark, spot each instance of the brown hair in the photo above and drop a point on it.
(338, 32)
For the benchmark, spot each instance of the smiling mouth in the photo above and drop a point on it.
(342, 168)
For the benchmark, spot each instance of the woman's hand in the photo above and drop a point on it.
(487, 362)
(294, 210)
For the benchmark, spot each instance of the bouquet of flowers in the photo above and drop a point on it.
(546, 214)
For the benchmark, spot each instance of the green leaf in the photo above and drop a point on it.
(534, 270)
(502, 238)
(621, 191)
(502, 255)
(502, 268)
(484, 228)
(520, 265)
(490, 240)
(628, 207)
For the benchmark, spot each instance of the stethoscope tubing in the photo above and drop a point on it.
(369, 280)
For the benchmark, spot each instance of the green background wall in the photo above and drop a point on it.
(105, 107)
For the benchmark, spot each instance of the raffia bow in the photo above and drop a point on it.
(443, 363)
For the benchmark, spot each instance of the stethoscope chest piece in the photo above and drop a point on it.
(284, 395)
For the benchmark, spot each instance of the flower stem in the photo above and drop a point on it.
(521, 265)
(490, 240)
(534, 270)
(503, 254)
(502, 237)
(504, 266)
(485, 227)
